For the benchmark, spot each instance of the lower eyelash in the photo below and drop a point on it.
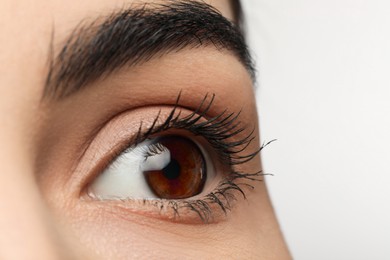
(223, 197)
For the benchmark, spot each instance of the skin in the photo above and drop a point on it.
(44, 210)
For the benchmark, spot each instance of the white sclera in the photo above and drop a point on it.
(124, 178)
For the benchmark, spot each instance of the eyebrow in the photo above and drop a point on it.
(132, 36)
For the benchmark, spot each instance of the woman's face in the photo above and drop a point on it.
(129, 131)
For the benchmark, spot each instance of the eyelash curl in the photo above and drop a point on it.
(217, 131)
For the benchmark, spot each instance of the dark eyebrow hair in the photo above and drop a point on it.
(135, 35)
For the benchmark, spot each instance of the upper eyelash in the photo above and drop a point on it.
(215, 130)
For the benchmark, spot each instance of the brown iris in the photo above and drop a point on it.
(184, 176)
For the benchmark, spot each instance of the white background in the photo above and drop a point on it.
(324, 93)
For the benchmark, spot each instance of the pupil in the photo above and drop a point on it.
(172, 170)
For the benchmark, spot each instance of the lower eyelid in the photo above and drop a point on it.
(146, 212)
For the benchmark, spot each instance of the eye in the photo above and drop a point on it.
(183, 165)
(167, 167)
